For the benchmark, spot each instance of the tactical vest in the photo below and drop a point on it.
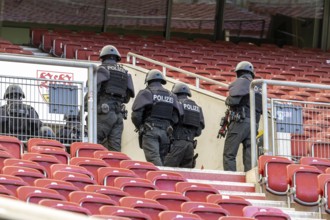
(117, 84)
(162, 107)
(191, 116)
(18, 110)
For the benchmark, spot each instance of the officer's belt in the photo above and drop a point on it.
(159, 125)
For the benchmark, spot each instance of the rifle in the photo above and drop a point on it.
(224, 125)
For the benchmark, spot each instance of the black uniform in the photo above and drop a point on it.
(155, 111)
(19, 119)
(190, 126)
(239, 127)
(114, 88)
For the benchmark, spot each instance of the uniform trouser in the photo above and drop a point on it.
(155, 144)
(238, 132)
(110, 129)
(181, 154)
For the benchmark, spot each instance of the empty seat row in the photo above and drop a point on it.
(305, 183)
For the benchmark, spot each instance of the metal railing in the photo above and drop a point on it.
(134, 57)
(285, 124)
(91, 96)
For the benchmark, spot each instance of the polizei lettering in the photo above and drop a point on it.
(194, 108)
(162, 98)
(116, 67)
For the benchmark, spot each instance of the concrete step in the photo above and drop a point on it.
(36, 51)
(204, 174)
(246, 195)
(227, 186)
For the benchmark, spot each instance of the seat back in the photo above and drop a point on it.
(121, 211)
(25, 163)
(62, 187)
(107, 175)
(273, 169)
(112, 158)
(33, 194)
(113, 192)
(59, 153)
(233, 204)
(171, 199)
(12, 145)
(65, 205)
(91, 200)
(195, 191)
(204, 210)
(320, 163)
(139, 167)
(85, 149)
(303, 179)
(265, 213)
(134, 186)
(165, 180)
(147, 206)
(71, 168)
(91, 164)
(42, 159)
(78, 179)
(28, 175)
(44, 142)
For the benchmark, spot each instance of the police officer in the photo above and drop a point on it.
(155, 111)
(114, 88)
(190, 126)
(17, 118)
(46, 132)
(71, 131)
(238, 103)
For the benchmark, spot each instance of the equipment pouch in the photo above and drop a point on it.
(105, 108)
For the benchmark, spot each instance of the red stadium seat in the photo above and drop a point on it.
(62, 187)
(134, 186)
(85, 149)
(138, 167)
(70, 49)
(165, 180)
(71, 168)
(204, 210)
(4, 155)
(121, 211)
(28, 175)
(33, 194)
(107, 175)
(265, 213)
(44, 142)
(302, 181)
(112, 158)
(272, 173)
(5, 191)
(323, 181)
(65, 205)
(319, 147)
(91, 200)
(172, 200)
(13, 145)
(232, 204)
(78, 179)
(60, 154)
(177, 215)
(11, 182)
(91, 164)
(195, 191)
(321, 163)
(25, 163)
(42, 159)
(113, 192)
(147, 206)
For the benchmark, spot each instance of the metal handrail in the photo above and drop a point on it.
(166, 66)
(264, 84)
